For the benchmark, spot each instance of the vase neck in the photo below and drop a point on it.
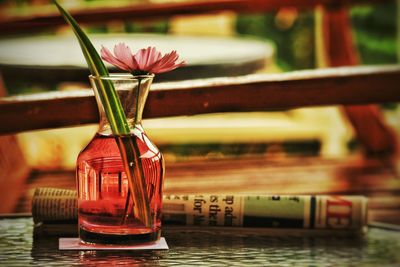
(132, 93)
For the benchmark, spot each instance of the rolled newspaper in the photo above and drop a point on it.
(54, 204)
(281, 211)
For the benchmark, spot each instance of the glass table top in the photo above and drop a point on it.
(208, 247)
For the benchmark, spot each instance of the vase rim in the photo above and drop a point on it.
(121, 76)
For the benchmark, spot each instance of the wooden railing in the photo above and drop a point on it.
(346, 85)
(338, 50)
(134, 12)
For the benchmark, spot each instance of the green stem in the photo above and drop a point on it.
(134, 172)
(137, 101)
(126, 209)
(138, 163)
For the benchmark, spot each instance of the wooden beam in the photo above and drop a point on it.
(344, 86)
(370, 127)
(35, 22)
(14, 169)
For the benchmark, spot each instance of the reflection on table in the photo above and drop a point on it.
(208, 247)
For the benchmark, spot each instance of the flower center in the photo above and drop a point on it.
(139, 72)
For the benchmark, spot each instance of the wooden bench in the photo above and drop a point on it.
(353, 87)
(375, 177)
(335, 29)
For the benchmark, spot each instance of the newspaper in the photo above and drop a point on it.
(54, 204)
(268, 211)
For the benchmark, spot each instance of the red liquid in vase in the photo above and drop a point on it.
(103, 192)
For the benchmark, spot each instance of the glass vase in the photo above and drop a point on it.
(107, 212)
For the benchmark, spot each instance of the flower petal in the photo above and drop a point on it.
(123, 53)
(167, 63)
(154, 56)
(147, 57)
(141, 59)
(108, 56)
(146, 60)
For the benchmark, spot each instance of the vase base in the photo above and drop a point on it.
(115, 239)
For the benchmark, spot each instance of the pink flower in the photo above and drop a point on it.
(145, 61)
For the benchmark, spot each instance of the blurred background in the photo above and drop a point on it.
(284, 40)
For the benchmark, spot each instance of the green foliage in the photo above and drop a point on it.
(153, 27)
(97, 29)
(107, 93)
(374, 30)
(295, 45)
(375, 33)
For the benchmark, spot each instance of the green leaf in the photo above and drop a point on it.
(118, 122)
(108, 95)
